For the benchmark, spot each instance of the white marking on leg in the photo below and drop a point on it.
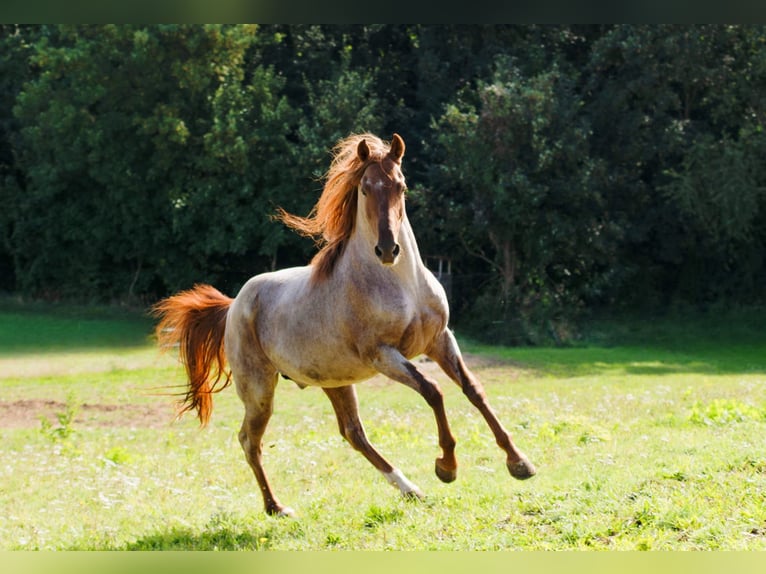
(397, 478)
(286, 512)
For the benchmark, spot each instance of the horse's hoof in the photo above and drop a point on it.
(521, 469)
(414, 495)
(444, 474)
(281, 511)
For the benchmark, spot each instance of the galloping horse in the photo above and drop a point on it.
(366, 304)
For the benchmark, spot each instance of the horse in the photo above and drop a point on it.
(365, 304)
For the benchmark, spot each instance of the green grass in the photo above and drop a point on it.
(650, 436)
(37, 328)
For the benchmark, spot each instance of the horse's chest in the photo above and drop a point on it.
(419, 333)
(403, 321)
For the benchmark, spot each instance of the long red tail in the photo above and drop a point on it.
(195, 320)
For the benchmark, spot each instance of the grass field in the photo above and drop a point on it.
(650, 436)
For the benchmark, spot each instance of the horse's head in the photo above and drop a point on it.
(382, 197)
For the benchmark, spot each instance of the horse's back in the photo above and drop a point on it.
(294, 324)
(270, 288)
(258, 299)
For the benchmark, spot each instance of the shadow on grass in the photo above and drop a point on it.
(223, 537)
(699, 358)
(223, 531)
(705, 343)
(50, 329)
(708, 344)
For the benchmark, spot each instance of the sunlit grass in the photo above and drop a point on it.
(637, 447)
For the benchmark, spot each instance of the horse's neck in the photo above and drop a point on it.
(409, 266)
(409, 245)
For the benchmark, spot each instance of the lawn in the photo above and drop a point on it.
(647, 435)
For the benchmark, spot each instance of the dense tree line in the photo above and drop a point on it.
(561, 168)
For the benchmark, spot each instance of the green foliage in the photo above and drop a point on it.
(130, 139)
(15, 47)
(529, 195)
(222, 532)
(118, 455)
(725, 411)
(562, 168)
(720, 192)
(376, 516)
(65, 418)
(679, 115)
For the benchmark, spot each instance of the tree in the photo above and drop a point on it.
(524, 195)
(131, 140)
(561, 167)
(679, 111)
(15, 45)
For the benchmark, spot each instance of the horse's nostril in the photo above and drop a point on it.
(378, 252)
(396, 249)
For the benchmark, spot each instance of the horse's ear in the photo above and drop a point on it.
(363, 150)
(397, 148)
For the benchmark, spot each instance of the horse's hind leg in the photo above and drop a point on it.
(447, 355)
(344, 402)
(257, 393)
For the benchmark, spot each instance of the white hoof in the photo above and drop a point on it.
(286, 512)
(405, 486)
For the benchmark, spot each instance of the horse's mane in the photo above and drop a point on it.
(331, 220)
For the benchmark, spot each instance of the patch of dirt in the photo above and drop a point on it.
(26, 413)
(477, 362)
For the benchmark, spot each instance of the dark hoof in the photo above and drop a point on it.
(521, 469)
(444, 474)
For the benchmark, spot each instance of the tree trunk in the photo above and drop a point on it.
(510, 261)
(132, 286)
(508, 264)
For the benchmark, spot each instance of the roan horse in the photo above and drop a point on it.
(366, 304)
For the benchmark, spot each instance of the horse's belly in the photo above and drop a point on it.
(336, 371)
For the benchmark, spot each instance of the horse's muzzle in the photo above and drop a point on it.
(387, 255)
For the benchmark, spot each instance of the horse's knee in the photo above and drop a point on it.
(250, 435)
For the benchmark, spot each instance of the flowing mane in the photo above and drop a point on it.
(331, 220)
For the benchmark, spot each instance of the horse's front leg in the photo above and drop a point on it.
(447, 355)
(394, 365)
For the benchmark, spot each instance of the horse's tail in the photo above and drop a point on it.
(195, 321)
